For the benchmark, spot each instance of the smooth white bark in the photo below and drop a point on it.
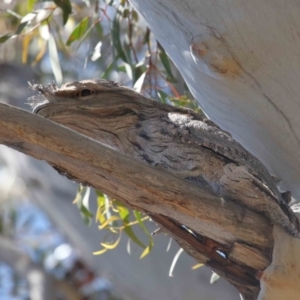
(281, 279)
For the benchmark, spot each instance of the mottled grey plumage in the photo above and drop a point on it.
(180, 141)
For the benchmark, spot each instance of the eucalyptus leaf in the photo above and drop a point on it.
(124, 214)
(66, 7)
(116, 40)
(166, 63)
(78, 31)
(5, 37)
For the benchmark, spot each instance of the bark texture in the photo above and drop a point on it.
(171, 163)
(240, 60)
(179, 141)
(157, 193)
(192, 148)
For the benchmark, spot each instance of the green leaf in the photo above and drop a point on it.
(25, 20)
(163, 96)
(66, 7)
(135, 16)
(110, 2)
(5, 37)
(166, 63)
(78, 31)
(138, 216)
(85, 35)
(138, 70)
(86, 215)
(184, 101)
(126, 68)
(100, 199)
(99, 30)
(21, 27)
(30, 5)
(79, 195)
(127, 51)
(125, 13)
(108, 70)
(147, 250)
(119, 204)
(115, 33)
(124, 214)
(146, 39)
(81, 200)
(128, 230)
(98, 193)
(100, 216)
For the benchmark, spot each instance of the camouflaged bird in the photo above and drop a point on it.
(180, 141)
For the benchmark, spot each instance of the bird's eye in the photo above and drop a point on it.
(84, 93)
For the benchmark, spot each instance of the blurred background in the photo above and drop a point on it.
(59, 240)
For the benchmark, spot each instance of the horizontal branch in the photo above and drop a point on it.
(142, 187)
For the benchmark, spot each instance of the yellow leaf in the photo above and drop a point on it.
(100, 252)
(112, 246)
(79, 194)
(43, 48)
(111, 219)
(114, 230)
(148, 249)
(136, 222)
(197, 266)
(145, 252)
(100, 215)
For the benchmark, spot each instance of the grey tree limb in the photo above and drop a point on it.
(157, 193)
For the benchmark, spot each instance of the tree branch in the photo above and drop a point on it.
(156, 192)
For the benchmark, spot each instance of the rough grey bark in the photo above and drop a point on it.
(221, 229)
(229, 235)
(179, 141)
(240, 60)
